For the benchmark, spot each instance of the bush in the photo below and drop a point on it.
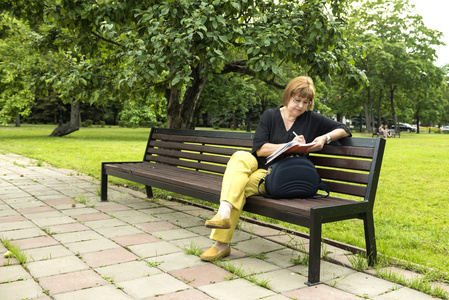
(87, 123)
(137, 116)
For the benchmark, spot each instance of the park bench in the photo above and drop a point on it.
(191, 163)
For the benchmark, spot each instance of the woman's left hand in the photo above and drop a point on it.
(319, 141)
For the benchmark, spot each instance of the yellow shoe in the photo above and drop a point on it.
(212, 253)
(218, 222)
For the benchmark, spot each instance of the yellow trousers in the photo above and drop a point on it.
(240, 180)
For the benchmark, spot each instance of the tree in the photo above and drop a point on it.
(176, 46)
(15, 97)
(395, 40)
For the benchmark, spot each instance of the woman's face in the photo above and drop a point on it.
(297, 105)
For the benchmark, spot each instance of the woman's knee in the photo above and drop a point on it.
(245, 157)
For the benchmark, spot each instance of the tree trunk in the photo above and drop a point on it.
(393, 111)
(379, 120)
(17, 120)
(181, 115)
(74, 123)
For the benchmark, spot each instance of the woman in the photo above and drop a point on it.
(294, 120)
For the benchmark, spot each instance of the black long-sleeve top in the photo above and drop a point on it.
(271, 129)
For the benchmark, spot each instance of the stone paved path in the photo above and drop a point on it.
(133, 248)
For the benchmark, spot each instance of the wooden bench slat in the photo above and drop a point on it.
(343, 176)
(187, 164)
(359, 152)
(343, 163)
(193, 148)
(346, 189)
(206, 140)
(222, 160)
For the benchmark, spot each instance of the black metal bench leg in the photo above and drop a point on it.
(104, 184)
(149, 191)
(370, 238)
(314, 253)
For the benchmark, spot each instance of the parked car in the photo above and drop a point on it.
(445, 129)
(406, 127)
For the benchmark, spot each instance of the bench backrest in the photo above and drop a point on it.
(350, 167)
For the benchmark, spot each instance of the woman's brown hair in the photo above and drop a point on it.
(301, 86)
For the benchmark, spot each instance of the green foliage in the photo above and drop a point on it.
(15, 97)
(137, 116)
(108, 49)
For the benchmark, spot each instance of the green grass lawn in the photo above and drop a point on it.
(411, 210)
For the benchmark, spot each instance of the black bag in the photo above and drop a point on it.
(293, 177)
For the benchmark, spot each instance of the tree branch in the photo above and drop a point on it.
(106, 40)
(239, 66)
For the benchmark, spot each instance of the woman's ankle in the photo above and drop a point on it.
(220, 246)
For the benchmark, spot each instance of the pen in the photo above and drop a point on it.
(295, 133)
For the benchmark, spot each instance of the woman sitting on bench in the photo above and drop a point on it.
(294, 120)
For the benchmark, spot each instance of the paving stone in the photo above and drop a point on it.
(253, 265)
(13, 273)
(174, 234)
(151, 286)
(36, 242)
(291, 241)
(68, 228)
(156, 211)
(26, 289)
(49, 252)
(282, 280)
(320, 292)
(197, 241)
(71, 282)
(404, 293)
(365, 285)
(240, 235)
(112, 232)
(156, 226)
(56, 266)
(22, 233)
(16, 225)
(257, 246)
(80, 211)
(12, 219)
(201, 275)
(104, 223)
(78, 236)
(108, 257)
(238, 289)
(106, 292)
(154, 249)
(282, 257)
(110, 207)
(92, 217)
(176, 261)
(132, 216)
(46, 215)
(91, 245)
(135, 239)
(127, 271)
(54, 221)
(184, 295)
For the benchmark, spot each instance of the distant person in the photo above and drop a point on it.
(382, 130)
(387, 131)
